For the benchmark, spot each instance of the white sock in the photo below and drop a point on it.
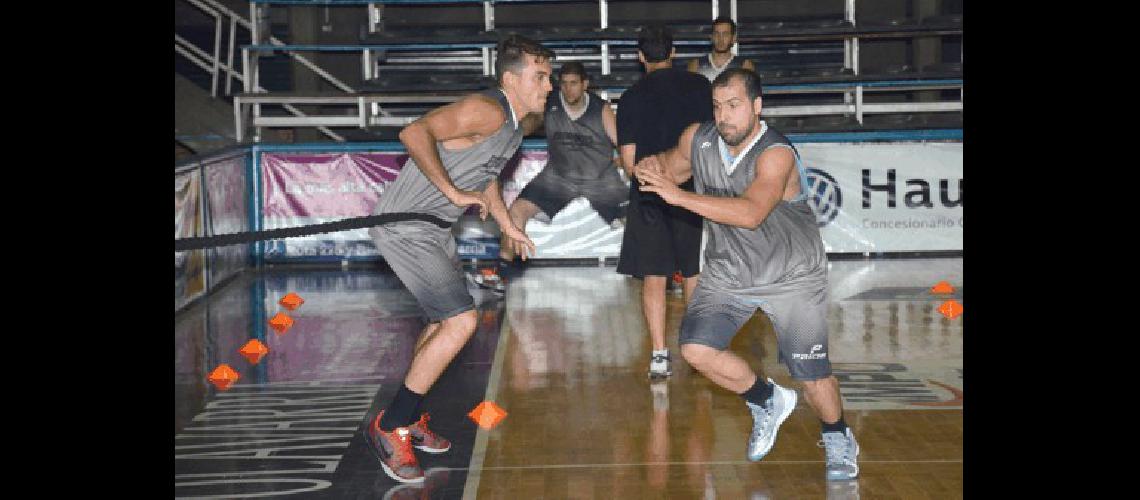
(662, 352)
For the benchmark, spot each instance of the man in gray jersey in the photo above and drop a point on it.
(457, 152)
(764, 251)
(721, 58)
(581, 131)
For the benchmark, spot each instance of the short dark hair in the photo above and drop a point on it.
(573, 68)
(725, 20)
(750, 79)
(510, 54)
(655, 41)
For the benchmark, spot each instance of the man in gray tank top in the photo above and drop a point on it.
(581, 131)
(764, 251)
(456, 154)
(721, 58)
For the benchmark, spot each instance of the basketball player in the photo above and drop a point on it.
(721, 58)
(764, 251)
(581, 132)
(457, 152)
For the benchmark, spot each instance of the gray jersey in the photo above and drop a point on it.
(705, 66)
(785, 254)
(470, 169)
(579, 149)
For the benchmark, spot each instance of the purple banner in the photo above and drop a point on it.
(228, 207)
(303, 189)
(310, 188)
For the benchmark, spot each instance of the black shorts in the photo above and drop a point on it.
(660, 239)
(607, 194)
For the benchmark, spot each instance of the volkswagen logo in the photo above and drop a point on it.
(826, 198)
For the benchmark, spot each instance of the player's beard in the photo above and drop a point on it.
(735, 140)
(574, 102)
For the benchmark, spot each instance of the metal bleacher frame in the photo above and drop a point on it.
(370, 110)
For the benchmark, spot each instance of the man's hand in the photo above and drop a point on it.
(467, 198)
(518, 241)
(649, 163)
(655, 179)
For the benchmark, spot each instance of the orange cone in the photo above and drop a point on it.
(942, 287)
(291, 301)
(253, 351)
(281, 322)
(951, 309)
(487, 415)
(223, 377)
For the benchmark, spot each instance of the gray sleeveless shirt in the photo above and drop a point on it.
(785, 254)
(705, 66)
(579, 149)
(470, 169)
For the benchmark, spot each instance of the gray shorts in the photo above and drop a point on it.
(713, 318)
(424, 257)
(608, 194)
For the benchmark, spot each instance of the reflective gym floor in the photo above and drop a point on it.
(565, 353)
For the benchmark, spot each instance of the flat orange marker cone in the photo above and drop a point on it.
(223, 377)
(253, 351)
(942, 287)
(951, 309)
(487, 415)
(291, 301)
(281, 322)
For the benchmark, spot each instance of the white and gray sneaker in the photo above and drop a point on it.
(766, 420)
(842, 451)
(659, 365)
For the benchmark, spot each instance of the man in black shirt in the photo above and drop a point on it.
(660, 239)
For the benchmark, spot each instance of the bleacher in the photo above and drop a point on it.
(412, 60)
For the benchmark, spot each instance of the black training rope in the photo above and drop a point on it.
(195, 243)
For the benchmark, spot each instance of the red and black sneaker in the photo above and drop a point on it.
(394, 449)
(426, 440)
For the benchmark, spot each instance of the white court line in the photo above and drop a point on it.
(722, 462)
(471, 489)
(726, 462)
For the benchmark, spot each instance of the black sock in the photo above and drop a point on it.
(759, 393)
(402, 411)
(839, 426)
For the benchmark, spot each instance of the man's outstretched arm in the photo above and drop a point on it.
(747, 210)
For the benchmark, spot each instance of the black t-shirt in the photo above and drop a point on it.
(655, 111)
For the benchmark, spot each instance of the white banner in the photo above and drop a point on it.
(577, 231)
(898, 197)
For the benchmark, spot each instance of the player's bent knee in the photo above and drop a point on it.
(699, 356)
(463, 323)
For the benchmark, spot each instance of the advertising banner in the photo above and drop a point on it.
(311, 188)
(901, 197)
(189, 267)
(227, 197)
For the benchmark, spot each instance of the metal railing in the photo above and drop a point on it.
(362, 118)
(214, 65)
(853, 93)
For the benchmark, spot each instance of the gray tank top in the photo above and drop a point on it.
(705, 66)
(785, 254)
(579, 149)
(470, 169)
